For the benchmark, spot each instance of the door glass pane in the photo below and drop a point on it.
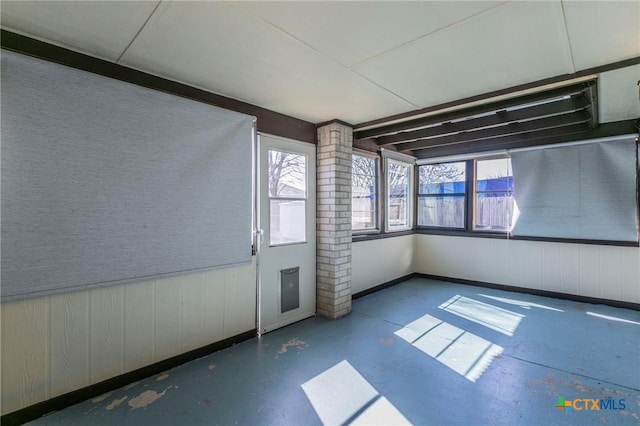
(287, 197)
(287, 174)
(287, 221)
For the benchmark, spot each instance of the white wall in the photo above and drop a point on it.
(375, 262)
(56, 344)
(606, 272)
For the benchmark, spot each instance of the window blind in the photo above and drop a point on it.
(105, 182)
(579, 191)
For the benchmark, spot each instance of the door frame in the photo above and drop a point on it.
(261, 237)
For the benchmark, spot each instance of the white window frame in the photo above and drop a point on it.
(396, 159)
(377, 227)
(290, 198)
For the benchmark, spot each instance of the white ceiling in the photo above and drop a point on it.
(355, 61)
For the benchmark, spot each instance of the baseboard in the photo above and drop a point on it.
(382, 286)
(536, 292)
(57, 403)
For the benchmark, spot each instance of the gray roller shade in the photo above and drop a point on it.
(580, 191)
(105, 182)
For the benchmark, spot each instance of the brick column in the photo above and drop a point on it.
(333, 263)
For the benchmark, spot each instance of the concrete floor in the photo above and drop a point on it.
(421, 352)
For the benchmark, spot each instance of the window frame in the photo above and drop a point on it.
(457, 194)
(473, 226)
(470, 195)
(304, 199)
(376, 229)
(409, 196)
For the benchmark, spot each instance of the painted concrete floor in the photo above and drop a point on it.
(422, 352)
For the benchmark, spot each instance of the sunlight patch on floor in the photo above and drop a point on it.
(463, 352)
(521, 303)
(608, 317)
(340, 395)
(498, 319)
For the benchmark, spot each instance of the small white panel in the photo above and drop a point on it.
(601, 32)
(99, 28)
(512, 44)
(106, 338)
(351, 32)
(338, 393)
(618, 97)
(220, 48)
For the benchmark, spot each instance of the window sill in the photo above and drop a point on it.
(504, 236)
(381, 235)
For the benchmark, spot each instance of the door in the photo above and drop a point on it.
(287, 219)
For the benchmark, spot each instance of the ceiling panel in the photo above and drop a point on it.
(216, 46)
(351, 32)
(602, 32)
(618, 94)
(512, 44)
(102, 29)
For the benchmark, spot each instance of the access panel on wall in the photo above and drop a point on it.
(105, 182)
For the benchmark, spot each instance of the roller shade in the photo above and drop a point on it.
(105, 182)
(580, 191)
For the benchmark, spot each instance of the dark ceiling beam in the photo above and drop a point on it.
(268, 121)
(576, 132)
(532, 126)
(573, 89)
(502, 92)
(575, 103)
(509, 141)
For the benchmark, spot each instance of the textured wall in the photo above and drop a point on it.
(56, 344)
(376, 262)
(607, 272)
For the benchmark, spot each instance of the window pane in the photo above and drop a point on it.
(447, 212)
(494, 211)
(363, 193)
(397, 192)
(287, 174)
(287, 221)
(444, 178)
(494, 195)
(494, 175)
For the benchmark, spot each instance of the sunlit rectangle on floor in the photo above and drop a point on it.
(381, 412)
(463, 352)
(338, 393)
(493, 317)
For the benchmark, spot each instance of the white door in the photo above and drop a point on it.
(287, 217)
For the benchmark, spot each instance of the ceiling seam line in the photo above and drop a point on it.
(420, 37)
(566, 32)
(288, 34)
(139, 31)
(382, 88)
(344, 66)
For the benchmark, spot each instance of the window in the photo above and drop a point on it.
(494, 195)
(445, 191)
(398, 195)
(442, 195)
(287, 197)
(364, 201)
